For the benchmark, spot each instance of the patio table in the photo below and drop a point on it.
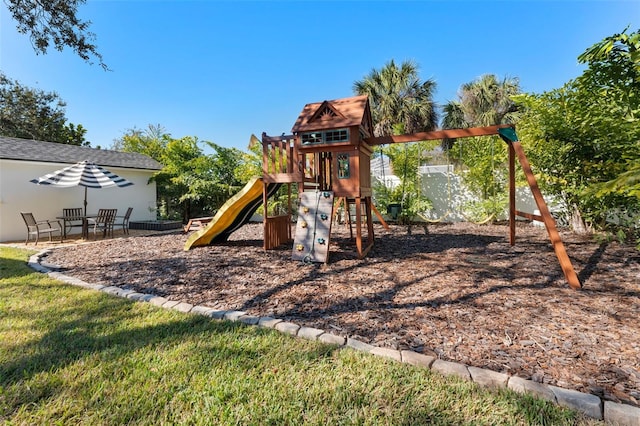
(85, 223)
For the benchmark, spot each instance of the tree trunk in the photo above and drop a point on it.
(576, 222)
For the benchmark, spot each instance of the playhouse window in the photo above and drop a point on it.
(329, 136)
(309, 138)
(340, 135)
(343, 166)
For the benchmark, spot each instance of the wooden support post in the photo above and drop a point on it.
(359, 211)
(342, 201)
(349, 224)
(359, 226)
(369, 207)
(512, 195)
(549, 222)
(265, 229)
(379, 216)
(289, 210)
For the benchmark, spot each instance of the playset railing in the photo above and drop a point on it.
(279, 165)
(279, 159)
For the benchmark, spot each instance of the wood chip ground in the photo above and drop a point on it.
(457, 291)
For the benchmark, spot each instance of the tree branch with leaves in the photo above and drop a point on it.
(29, 113)
(55, 23)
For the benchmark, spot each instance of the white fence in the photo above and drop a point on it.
(448, 194)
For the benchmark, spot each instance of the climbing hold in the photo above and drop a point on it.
(299, 247)
(326, 194)
(303, 224)
(305, 209)
(320, 240)
(324, 216)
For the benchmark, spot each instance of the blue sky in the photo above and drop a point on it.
(222, 70)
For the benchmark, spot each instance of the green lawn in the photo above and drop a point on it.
(75, 356)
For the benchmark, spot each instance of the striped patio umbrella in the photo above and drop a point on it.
(84, 173)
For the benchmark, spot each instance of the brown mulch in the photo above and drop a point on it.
(458, 291)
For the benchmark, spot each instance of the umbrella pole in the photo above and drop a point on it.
(85, 201)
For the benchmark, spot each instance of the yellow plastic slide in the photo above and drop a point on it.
(235, 212)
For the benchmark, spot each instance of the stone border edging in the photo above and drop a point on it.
(587, 404)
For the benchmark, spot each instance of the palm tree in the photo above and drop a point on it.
(483, 102)
(397, 96)
(453, 118)
(400, 103)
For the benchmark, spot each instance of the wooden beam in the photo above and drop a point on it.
(549, 222)
(365, 251)
(266, 138)
(512, 195)
(437, 134)
(530, 216)
(282, 177)
(379, 216)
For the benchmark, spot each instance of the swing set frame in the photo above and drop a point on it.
(508, 134)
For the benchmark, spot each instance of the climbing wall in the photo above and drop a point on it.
(313, 229)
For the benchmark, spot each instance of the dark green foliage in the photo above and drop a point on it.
(406, 159)
(584, 138)
(191, 183)
(34, 114)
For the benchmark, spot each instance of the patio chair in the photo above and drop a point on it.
(72, 218)
(37, 227)
(125, 221)
(104, 222)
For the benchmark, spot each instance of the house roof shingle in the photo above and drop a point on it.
(51, 152)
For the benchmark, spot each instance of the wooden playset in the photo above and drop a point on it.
(328, 156)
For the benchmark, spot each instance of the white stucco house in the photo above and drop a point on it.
(22, 160)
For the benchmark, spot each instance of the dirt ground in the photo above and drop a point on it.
(458, 291)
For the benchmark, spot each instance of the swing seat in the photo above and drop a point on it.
(478, 222)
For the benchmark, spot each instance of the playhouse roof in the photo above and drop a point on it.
(51, 152)
(343, 112)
